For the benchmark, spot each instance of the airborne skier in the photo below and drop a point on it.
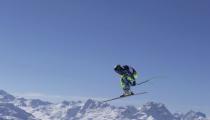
(128, 78)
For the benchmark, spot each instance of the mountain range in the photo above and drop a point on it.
(18, 108)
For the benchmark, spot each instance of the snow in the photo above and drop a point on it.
(150, 118)
(35, 109)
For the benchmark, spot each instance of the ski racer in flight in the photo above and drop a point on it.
(128, 78)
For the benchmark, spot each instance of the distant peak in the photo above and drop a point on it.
(155, 104)
(37, 102)
(91, 102)
(157, 110)
(6, 97)
(2, 92)
(193, 114)
(70, 102)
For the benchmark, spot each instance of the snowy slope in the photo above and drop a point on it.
(10, 112)
(13, 108)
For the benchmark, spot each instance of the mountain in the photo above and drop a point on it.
(5, 97)
(192, 115)
(10, 112)
(14, 108)
(157, 111)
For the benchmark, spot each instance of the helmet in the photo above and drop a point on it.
(118, 68)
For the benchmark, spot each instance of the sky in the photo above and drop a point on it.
(67, 50)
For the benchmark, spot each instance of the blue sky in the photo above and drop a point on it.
(69, 48)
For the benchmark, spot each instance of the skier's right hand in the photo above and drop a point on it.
(133, 83)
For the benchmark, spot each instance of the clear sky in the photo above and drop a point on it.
(69, 48)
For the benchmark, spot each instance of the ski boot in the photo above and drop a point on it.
(127, 93)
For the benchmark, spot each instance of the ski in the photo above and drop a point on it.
(124, 96)
(145, 81)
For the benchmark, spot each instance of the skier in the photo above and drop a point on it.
(128, 78)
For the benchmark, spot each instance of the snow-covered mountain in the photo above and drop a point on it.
(14, 108)
(10, 112)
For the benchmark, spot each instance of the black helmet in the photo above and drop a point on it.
(118, 69)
